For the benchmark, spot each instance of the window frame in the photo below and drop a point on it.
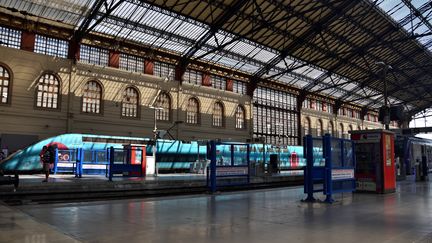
(59, 93)
(9, 87)
(138, 104)
(341, 129)
(243, 117)
(319, 128)
(157, 105)
(198, 112)
(43, 45)
(93, 53)
(330, 128)
(222, 114)
(101, 99)
(12, 39)
(308, 127)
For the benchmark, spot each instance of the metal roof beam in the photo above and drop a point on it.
(418, 14)
(316, 28)
(85, 27)
(187, 41)
(214, 28)
(376, 38)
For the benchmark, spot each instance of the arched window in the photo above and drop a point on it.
(341, 131)
(240, 117)
(350, 128)
(319, 128)
(5, 84)
(307, 126)
(330, 128)
(92, 97)
(130, 103)
(218, 115)
(192, 111)
(163, 103)
(48, 91)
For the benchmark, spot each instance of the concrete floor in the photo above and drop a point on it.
(274, 215)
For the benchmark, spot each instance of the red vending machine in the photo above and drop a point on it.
(375, 163)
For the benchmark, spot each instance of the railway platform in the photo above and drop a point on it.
(241, 216)
(68, 188)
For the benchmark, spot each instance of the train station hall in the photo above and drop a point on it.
(239, 121)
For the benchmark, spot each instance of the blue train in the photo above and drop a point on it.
(171, 155)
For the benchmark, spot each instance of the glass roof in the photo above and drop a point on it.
(408, 19)
(161, 29)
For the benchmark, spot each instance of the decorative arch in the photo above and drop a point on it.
(5, 84)
(341, 130)
(48, 91)
(319, 127)
(307, 126)
(330, 128)
(240, 117)
(92, 97)
(163, 101)
(218, 117)
(130, 102)
(193, 111)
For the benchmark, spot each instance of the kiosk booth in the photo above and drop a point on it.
(375, 167)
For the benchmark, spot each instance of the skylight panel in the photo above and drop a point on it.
(247, 67)
(174, 46)
(264, 55)
(128, 10)
(313, 73)
(290, 62)
(240, 48)
(349, 86)
(189, 30)
(219, 39)
(224, 60)
(69, 12)
(157, 20)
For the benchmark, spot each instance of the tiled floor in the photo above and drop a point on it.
(16, 226)
(273, 215)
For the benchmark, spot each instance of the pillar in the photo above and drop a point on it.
(28, 40)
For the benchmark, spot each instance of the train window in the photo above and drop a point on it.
(218, 115)
(48, 91)
(240, 117)
(92, 97)
(130, 102)
(192, 111)
(5, 84)
(163, 101)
